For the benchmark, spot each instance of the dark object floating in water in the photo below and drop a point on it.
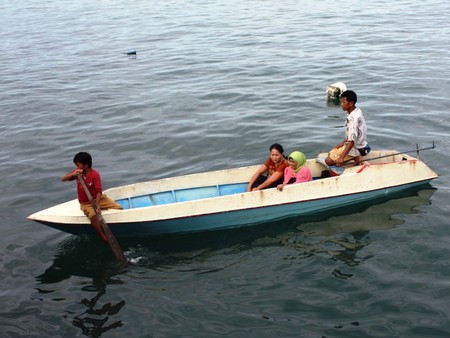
(131, 52)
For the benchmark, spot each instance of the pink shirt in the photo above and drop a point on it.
(303, 175)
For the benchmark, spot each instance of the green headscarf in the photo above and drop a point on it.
(299, 159)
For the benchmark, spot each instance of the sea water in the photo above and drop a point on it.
(212, 85)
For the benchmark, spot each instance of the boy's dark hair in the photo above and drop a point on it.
(83, 158)
(350, 95)
(277, 147)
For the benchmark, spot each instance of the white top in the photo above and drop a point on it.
(356, 129)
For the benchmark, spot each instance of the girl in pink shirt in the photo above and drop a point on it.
(296, 172)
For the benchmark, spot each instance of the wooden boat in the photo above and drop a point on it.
(218, 200)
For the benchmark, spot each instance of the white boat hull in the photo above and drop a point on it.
(192, 202)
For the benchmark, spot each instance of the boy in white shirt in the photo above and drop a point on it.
(355, 143)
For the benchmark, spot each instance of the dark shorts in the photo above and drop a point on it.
(364, 151)
(261, 179)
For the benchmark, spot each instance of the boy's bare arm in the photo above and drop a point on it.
(70, 176)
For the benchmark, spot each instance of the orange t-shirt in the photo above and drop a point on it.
(273, 168)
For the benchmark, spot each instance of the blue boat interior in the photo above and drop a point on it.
(182, 195)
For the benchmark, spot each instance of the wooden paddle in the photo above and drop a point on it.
(103, 227)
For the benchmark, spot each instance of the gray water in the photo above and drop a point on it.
(212, 85)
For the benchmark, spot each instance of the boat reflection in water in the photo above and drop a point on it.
(338, 237)
(310, 232)
(89, 257)
(84, 257)
(94, 320)
(342, 236)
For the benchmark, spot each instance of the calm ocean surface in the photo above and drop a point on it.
(213, 84)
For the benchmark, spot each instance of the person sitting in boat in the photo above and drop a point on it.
(355, 143)
(296, 172)
(83, 163)
(270, 174)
